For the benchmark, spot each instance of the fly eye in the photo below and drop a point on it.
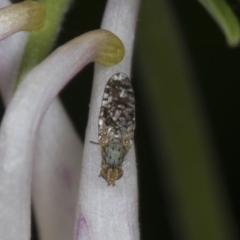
(120, 173)
(104, 173)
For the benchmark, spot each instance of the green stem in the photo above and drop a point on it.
(40, 43)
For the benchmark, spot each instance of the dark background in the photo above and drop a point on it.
(217, 71)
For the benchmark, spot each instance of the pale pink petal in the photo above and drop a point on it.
(10, 62)
(11, 50)
(109, 212)
(55, 218)
(56, 175)
(14, 18)
(22, 121)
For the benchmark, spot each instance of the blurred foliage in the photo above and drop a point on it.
(225, 18)
(180, 129)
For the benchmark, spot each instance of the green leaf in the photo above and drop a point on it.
(225, 18)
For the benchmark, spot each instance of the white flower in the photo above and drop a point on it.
(39, 147)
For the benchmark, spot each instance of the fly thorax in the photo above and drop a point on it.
(114, 153)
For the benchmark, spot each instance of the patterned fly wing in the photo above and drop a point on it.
(116, 126)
